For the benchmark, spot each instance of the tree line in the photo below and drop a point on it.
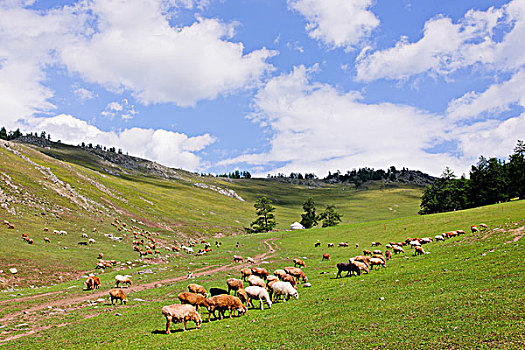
(265, 221)
(492, 180)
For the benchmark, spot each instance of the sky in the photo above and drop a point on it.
(270, 86)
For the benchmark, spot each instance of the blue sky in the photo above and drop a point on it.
(270, 86)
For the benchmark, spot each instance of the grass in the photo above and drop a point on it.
(466, 293)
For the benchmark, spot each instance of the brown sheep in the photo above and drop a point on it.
(474, 229)
(419, 251)
(398, 249)
(375, 244)
(241, 294)
(234, 284)
(330, 245)
(377, 262)
(326, 257)
(388, 255)
(256, 281)
(379, 256)
(299, 262)
(193, 299)
(363, 258)
(117, 294)
(181, 313)
(362, 266)
(238, 258)
(280, 273)
(47, 240)
(484, 226)
(272, 278)
(198, 289)
(246, 272)
(123, 279)
(260, 271)
(343, 244)
(296, 272)
(291, 279)
(367, 252)
(222, 303)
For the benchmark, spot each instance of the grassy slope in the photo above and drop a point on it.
(467, 293)
(176, 208)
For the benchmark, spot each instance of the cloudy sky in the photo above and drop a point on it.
(270, 85)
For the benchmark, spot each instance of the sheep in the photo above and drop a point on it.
(255, 292)
(92, 282)
(272, 278)
(375, 244)
(260, 271)
(474, 228)
(296, 272)
(250, 260)
(299, 262)
(484, 226)
(461, 232)
(415, 244)
(222, 303)
(234, 284)
(317, 244)
(388, 255)
(285, 289)
(238, 258)
(256, 281)
(343, 244)
(198, 289)
(367, 252)
(217, 291)
(425, 240)
(291, 280)
(377, 251)
(45, 229)
(330, 245)
(193, 299)
(241, 294)
(181, 313)
(123, 279)
(47, 240)
(419, 251)
(117, 294)
(379, 256)
(357, 245)
(348, 267)
(280, 273)
(363, 258)
(91, 241)
(362, 266)
(398, 249)
(326, 257)
(377, 262)
(84, 235)
(246, 272)
(439, 238)
(388, 246)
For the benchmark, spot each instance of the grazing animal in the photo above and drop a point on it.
(92, 282)
(388, 255)
(222, 303)
(419, 251)
(367, 252)
(217, 291)
(280, 273)
(317, 244)
(181, 313)
(330, 245)
(363, 258)
(296, 272)
(255, 292)
(348, 267)
(299, 262)
(377, 251)
(362, 266)
(377, 262)
(250, 260)
(272, 278)
(238, 258)
(193, 299)
(123, 279)
(483, 226)
(291, 280)
(117, 294)
(234, 284)
(198, 289)
(375, 244)
(398, 249)
(47, 240)
(246, 272)
(256, 281)
(326, 257)
(357, 245)
(84, 235)
(92, 241)
(284, 289)
(343, 244)
(439, 238)
(474, 229)
(241, 294)
(260, 271)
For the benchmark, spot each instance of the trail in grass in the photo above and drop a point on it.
(70, 301)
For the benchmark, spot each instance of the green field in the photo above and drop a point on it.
(467, 292)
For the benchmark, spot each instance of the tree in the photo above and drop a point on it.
(265, 218)
(488, 182)
(329, 216)
(309, 219)
(3, 133)
(446, 194)
(516, 168)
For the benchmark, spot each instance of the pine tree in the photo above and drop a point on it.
(309, 219)
(265, 218)
(516, 168)
(329, 216)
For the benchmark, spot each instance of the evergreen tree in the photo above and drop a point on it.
(445, 194)
(3, 133)
(329, 216)
(516, 168)
(488, 182)
(265, 218)
(309, 219)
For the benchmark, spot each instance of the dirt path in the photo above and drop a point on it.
(75, 300)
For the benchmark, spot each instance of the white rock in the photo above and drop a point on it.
(13, 270)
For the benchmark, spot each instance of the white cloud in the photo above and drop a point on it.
(124, 109)
(444, 47)
(166, 147)
(317, 128)
(337, 23)
(497, 98)
(136, 49)
(84, 94)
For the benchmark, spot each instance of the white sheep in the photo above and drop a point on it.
(255, 292)
(256, 281)
(84, 235)
(285, 289)
(439, 238)
(92, 241)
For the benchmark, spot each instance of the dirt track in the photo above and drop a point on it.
(73, 302)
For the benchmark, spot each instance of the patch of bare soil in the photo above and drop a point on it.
(518, 234)
(72, 302)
